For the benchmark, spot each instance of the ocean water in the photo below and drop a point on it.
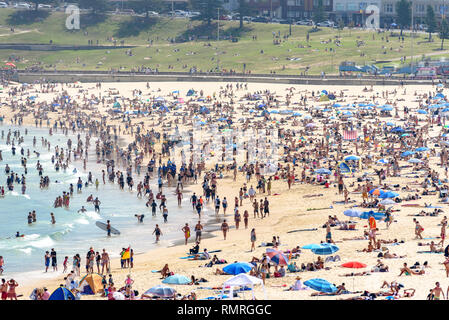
(76, 232)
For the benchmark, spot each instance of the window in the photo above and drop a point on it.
(300, 3)
(290, 3)
(388, 7)
(353, 6)
(340, 7)
(419, 8)
(327, 2)
(362, 5)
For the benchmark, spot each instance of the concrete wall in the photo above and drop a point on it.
(94, 77)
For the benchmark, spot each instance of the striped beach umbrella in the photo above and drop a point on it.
(277, 257)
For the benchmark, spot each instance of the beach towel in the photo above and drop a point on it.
(312, 209)
(299, 230)
(427, 252)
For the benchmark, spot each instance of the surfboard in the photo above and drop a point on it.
(103, 226)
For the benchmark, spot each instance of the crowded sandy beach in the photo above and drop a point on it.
(293, 192)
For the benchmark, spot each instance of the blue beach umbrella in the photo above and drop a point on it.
(380, 191)
(388, 194)
(407, 153)
(311, 246)
(352, 213)
(420, 111)
(177, 279)
(325, 249)
(397, 129)
(238, 267)
(421, 149)
(376, 215)
(320, 285)
(161, 291)
(414, 160)
(352, 157)
(323, 171)
(382, 161)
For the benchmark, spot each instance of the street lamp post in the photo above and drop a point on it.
(218, 40)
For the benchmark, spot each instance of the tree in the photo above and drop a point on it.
(444, 31)
(431, 21)
(404, 13)
(245, 9)
(318, 14)
(97, 6)
(208, 9)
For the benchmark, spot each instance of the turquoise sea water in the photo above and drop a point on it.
(74, 232)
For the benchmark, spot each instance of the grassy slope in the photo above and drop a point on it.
(232, 55)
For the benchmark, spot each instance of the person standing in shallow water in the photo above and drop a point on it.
(157, 231)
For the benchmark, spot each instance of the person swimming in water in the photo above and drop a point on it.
(82, 209)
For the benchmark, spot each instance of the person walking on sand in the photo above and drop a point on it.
(4, 289)
(253, 239)
(186, 230)
(158, 233)
(198, 230)
(443, 232)
(12, 284)
(437, 291)
(418, 230)
(245, 218)
(224, 228)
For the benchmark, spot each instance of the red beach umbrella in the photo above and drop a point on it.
(354, 264)
(10, 64)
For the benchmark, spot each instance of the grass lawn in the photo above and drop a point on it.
(292, 56)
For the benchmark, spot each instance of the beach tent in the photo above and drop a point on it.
(116, 105)
(177, 279)
(91, 284)
(191, 92)
(324, 98)
(242, 280)
(62, 294)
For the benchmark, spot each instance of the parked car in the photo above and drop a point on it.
(325, 24)
(305, 23)
(43, 6)
(152, 13)
(3, 5)
(22, 5)
(260, 19)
